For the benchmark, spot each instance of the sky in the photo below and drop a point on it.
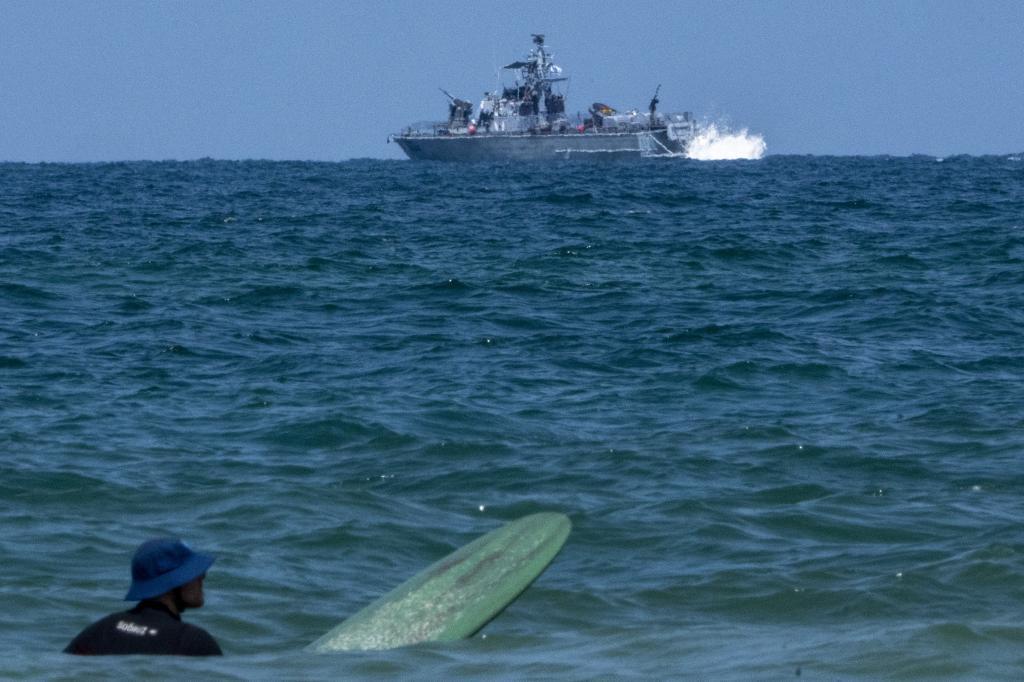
(106, 80)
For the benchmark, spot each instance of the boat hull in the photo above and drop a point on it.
(539, 147)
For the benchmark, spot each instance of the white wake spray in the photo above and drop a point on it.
(712, 144)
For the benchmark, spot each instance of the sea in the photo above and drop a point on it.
(781, 399)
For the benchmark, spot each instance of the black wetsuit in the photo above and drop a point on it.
(149, 628)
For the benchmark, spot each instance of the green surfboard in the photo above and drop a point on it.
(458, 595)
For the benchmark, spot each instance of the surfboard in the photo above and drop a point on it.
(456, 596)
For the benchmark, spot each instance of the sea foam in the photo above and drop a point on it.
(719, 144)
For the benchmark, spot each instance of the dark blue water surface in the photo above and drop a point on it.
(781, 400)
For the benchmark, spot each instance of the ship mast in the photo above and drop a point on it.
(536, 72)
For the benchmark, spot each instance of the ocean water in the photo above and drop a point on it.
(782, 401)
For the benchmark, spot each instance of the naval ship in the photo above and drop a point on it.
(527, 122)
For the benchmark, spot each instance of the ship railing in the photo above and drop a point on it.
(631, 127)
(426, 128)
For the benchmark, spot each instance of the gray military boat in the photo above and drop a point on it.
(527, 121)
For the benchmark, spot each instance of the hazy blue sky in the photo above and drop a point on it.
(100, 80)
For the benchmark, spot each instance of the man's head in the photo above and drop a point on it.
(168, 565)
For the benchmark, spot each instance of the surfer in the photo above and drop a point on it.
(167, 579)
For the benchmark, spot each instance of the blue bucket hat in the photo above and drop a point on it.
(162, 564)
